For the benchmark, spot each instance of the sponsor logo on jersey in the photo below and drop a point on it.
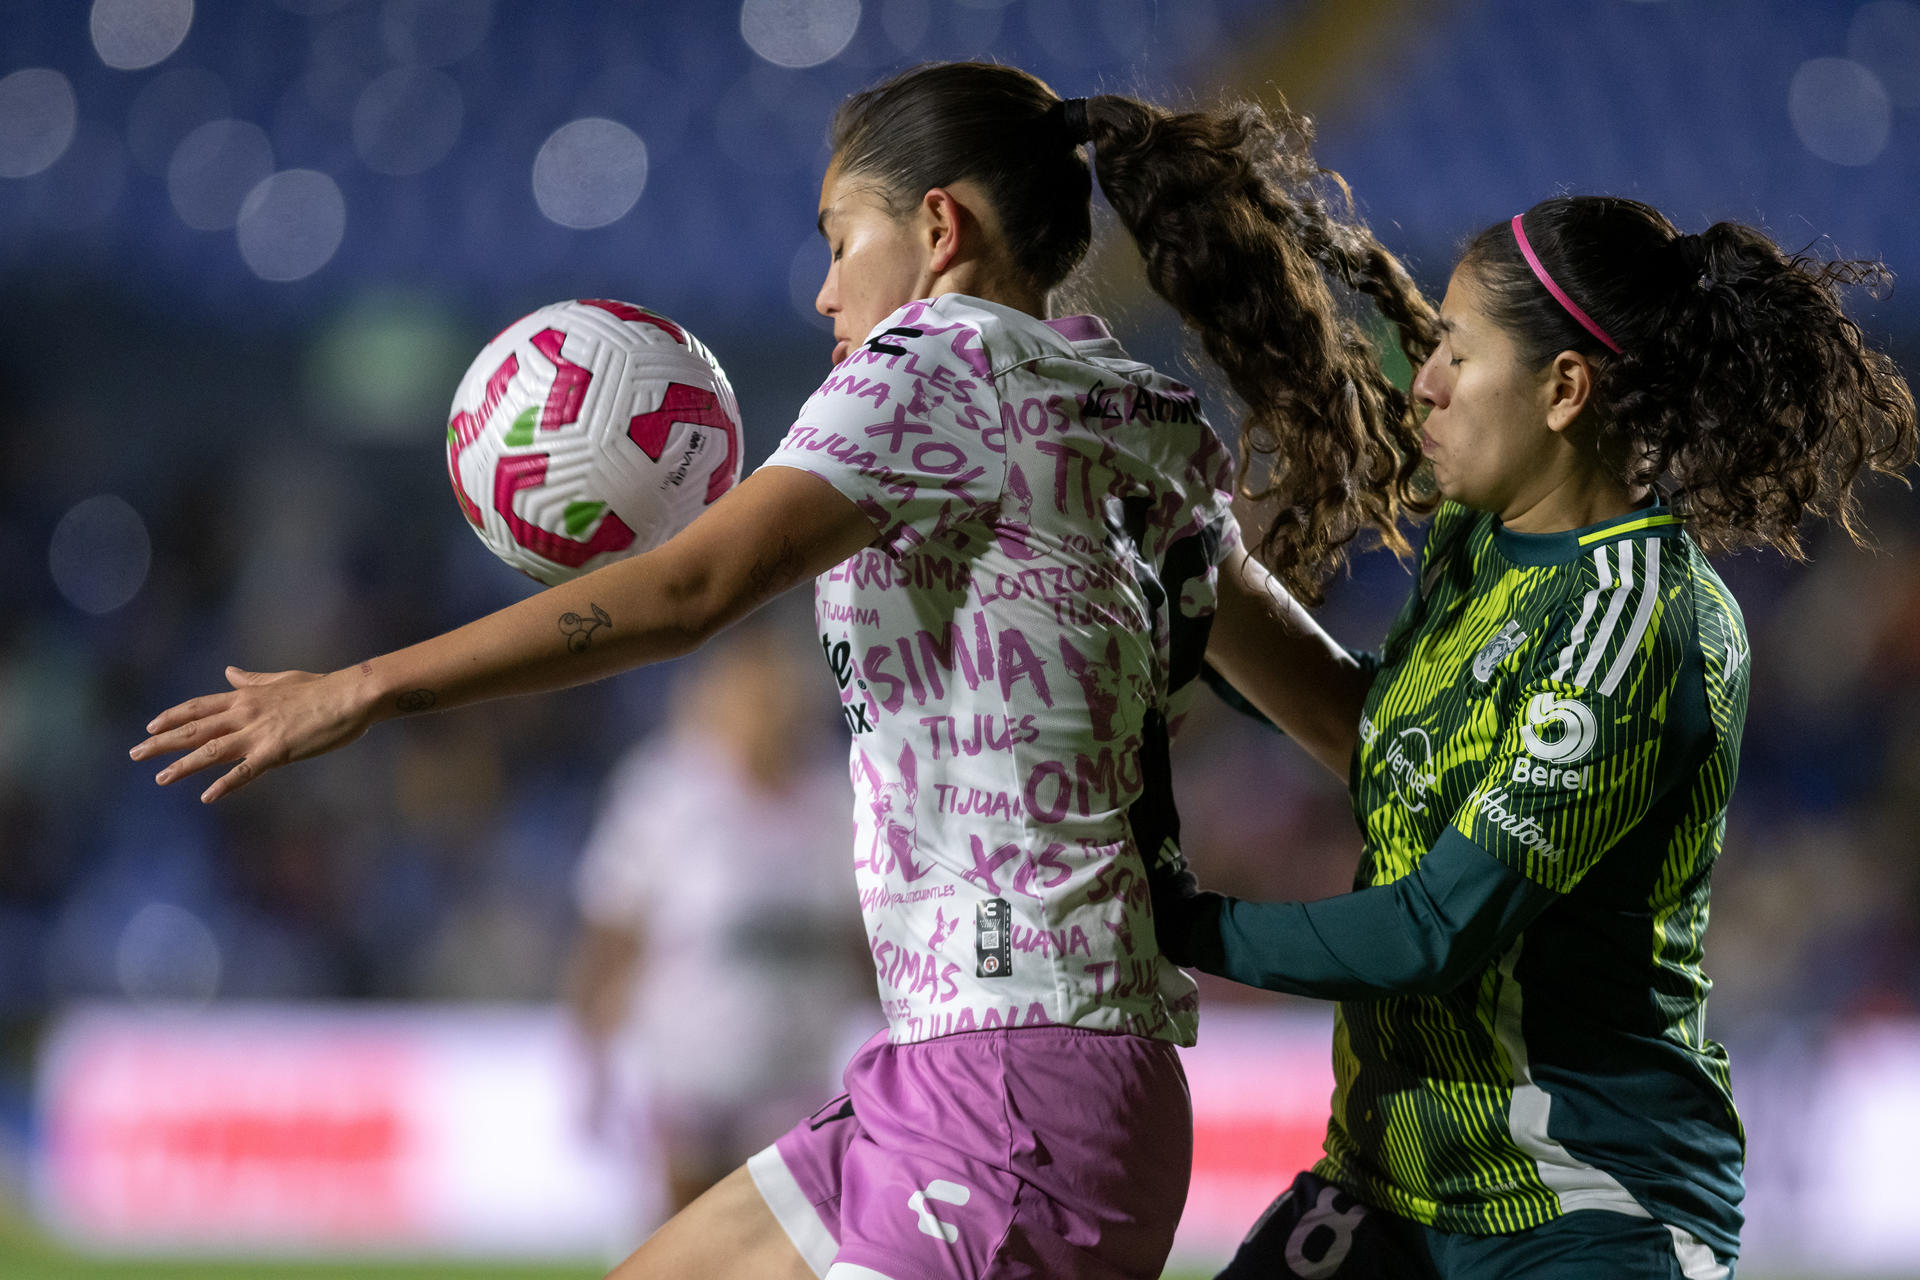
(1529, 772)
(1494, 807)
(1369, 732)
(854, 708)
(1495, 651)
(1559, 730)
(1410, 761)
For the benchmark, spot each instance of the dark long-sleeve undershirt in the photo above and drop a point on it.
(1422, 934)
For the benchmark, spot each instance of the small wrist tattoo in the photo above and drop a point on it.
(415, 700)
(579, 631)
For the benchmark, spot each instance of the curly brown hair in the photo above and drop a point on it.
(1240, 232)
(1740, 382)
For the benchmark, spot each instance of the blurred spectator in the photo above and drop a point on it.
(721, 960)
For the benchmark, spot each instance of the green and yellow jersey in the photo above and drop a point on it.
(1542, 777)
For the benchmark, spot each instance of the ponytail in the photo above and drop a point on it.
(1740, 382)
(1241, 233)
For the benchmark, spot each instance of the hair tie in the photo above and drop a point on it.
(1073, 120)
(1559, 295)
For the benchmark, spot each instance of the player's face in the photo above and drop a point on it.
(877, 264)
(1486, 432)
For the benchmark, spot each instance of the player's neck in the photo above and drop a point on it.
(1573, 501)
(976, 278)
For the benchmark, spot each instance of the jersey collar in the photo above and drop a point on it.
(1088, 334)
(1655, 520)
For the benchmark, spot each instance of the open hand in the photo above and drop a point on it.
(269, 719)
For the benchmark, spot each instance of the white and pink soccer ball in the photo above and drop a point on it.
(588, 431)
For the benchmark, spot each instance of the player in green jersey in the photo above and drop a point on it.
(1542, 754)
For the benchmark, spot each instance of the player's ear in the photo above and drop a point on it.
(943, 228)
(1569, 386)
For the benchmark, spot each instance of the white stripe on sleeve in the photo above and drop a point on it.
(1616, 605)
(1586, 614)
(1642, 615)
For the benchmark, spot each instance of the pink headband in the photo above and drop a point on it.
(1559, 294)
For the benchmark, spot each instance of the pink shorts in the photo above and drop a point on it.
(1037, 1151)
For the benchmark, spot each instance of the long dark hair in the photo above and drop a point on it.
(1739, 382)
(1239, 231)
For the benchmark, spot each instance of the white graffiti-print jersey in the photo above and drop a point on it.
(1011, 651)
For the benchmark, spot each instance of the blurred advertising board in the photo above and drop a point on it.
(439, 1131)
(1262, 1081)
(314, 1129)
(348, 1129)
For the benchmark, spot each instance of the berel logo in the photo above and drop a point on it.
(1528, 771)
(946, 1193)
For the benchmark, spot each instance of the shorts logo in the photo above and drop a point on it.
(1495, 651)
(946, 1193)
(1573, 727)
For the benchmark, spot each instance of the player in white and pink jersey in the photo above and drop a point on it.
(1034, 609)
(1024, 554)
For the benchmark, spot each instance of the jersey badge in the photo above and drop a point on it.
(992, 939)
(1559, 730)
(1495, 651)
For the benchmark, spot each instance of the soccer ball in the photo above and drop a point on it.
(588, 431)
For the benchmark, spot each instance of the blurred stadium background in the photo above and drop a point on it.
(246, 249)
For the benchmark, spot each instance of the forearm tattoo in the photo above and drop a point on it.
(415, 700)
(579, 631)
(774, 571)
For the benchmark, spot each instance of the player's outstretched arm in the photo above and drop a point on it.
(1272, 651)
(778, 528)
(1424, 933)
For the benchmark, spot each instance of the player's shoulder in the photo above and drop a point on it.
(1631, 597)
(924, 351)
(1712, 599)
(992, 338)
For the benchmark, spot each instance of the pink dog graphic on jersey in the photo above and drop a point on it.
(1099, 680)
(942, 928)
(894, 825)
(1014, 533)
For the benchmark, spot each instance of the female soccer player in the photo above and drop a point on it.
(1542, 755)
(1016, 532)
